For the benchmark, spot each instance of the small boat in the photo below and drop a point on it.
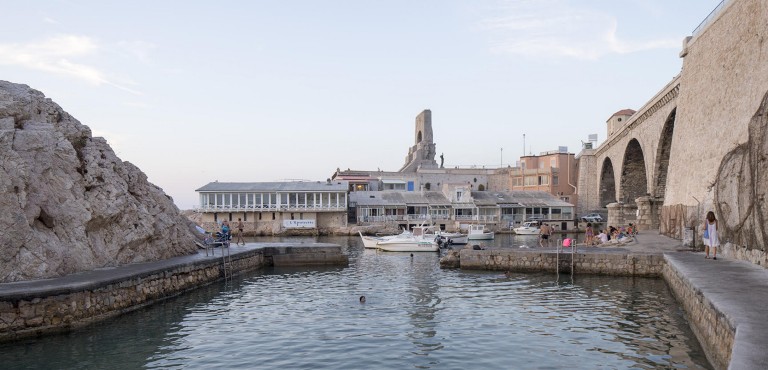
(477, 232)
(369, 242)
(528, 228)
(415, 241)
(453, 238)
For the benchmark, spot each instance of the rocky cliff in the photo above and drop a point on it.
(67, 203)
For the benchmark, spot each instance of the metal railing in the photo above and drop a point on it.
(268, 208)
(712, 15)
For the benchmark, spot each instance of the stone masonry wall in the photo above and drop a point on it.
(587, 186)
(30, 314)
(724, 78)
(714, 332)
(533, 261)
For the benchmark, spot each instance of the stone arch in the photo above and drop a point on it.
(634, 181)
(481, 187)
(607, 184)
(418, 137)
(662, 157)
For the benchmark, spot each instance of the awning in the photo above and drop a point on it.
(393, 181)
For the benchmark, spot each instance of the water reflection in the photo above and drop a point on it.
(415, 316)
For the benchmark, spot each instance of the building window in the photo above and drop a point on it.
(245, 216)
(273, 215)
(517, 181)
(555, 180)
(544, 180)
(215, 217)
(458, 195)
(531, 181)
(230, 216)
(553, 163)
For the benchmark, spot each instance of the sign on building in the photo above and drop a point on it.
(299, 224)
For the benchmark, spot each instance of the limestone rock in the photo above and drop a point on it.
(68, 203)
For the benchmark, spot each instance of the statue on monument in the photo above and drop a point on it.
(441, 160)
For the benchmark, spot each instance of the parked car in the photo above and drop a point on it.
(592, 217)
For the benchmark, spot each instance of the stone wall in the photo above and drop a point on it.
(714, 332)
(38, 307)
(618, 264)
(587, 173)
(720, 141)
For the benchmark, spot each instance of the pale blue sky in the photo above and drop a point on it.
(193, 92)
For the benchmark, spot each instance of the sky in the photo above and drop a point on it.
(255, 91)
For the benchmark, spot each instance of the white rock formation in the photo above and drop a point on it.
(67, 203)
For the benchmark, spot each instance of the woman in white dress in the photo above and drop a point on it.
(711, 241)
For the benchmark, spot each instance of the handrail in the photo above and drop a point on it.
(712, 15)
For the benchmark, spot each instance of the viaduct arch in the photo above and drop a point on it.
(632, 164)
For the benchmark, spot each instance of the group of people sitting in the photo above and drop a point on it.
(613, 235)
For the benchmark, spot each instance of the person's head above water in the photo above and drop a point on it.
(362, 299)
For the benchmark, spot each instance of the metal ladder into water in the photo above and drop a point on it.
(226, 261)
(559, 248)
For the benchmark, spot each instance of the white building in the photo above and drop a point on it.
(274, 207)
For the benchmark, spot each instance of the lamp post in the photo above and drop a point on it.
(501, 164)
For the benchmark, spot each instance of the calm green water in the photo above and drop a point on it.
(415, 316)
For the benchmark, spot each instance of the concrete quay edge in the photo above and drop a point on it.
(89, 280)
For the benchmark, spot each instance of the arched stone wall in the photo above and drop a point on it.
(662, 157)
(634, 178)
(607, 183)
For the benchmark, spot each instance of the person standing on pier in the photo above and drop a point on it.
(544, 233)
(711, 240)
(240, 228)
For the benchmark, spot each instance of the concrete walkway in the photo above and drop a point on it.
(739, 291)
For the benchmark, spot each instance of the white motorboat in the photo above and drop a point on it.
(477, 232)
(417, 241)
(453, 238)
(528, 228)
(369, 242)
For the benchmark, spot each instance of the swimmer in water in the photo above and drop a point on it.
(362, 299)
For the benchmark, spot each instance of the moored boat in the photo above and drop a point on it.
(528, 228)
(415, 241)
(453, 238)
(369, 242)
(477, 232)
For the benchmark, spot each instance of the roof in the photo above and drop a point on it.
(231, 187)
(521, 198)
(398, 198)
(624, 112)
(436, 198)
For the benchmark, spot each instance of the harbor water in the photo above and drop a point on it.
(415, 315)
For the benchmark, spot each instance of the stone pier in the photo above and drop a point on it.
(38, 307)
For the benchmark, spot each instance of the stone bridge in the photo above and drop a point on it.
(700, 144)
(629, 170)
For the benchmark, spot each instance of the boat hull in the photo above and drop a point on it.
(483, 236)
(526, 231)
(369, 242)
(402, 246)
